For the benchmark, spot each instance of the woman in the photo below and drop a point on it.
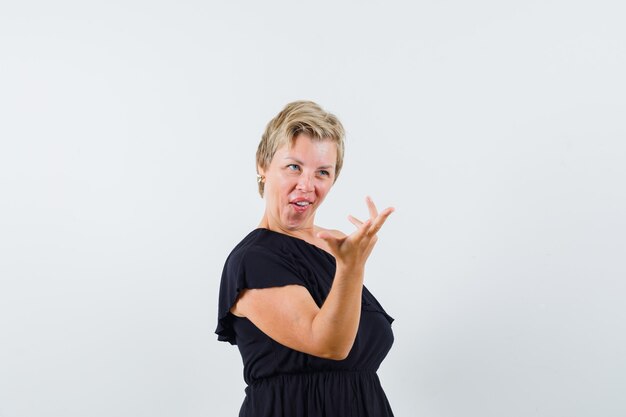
(292, 297)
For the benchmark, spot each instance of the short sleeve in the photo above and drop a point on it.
(254, 267)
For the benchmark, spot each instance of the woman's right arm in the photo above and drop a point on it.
(290, 316)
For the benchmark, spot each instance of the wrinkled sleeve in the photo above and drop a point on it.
(256, 267)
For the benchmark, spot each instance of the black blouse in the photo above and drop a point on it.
(285, 382)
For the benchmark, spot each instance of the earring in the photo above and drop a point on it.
(260, 178)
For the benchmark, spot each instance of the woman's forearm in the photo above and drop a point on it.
(335, 325)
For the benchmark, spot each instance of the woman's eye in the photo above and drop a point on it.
(324, 173)
(293, 167)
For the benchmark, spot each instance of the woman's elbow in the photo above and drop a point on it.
(336, 354)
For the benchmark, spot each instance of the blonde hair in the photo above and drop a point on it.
(298, 117)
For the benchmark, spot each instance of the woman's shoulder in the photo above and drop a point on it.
(268, 244)
(262, 243)
(261, 257)
(255, 241)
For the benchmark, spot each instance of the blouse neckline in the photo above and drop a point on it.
(263, 229)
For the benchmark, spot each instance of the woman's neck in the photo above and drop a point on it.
(307, 233)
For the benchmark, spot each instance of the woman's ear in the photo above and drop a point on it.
(260, 179)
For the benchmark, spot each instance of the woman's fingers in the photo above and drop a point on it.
(371, 207)
(332, 241)
(358, 244)
(371, 226)
(377, 219)
(358, 223)
(378, 222)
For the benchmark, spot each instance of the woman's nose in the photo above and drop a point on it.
(305, 182)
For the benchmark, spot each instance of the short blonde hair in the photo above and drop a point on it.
(299, 117)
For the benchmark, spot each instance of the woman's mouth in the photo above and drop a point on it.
(301, 206)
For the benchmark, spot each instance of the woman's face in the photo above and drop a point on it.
(297, 181)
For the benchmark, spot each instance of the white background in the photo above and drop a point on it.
(497, 130)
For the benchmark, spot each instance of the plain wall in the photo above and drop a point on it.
(127, 139)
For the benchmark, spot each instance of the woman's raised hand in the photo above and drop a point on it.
(353, 250)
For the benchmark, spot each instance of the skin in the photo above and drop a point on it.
(289, 315)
